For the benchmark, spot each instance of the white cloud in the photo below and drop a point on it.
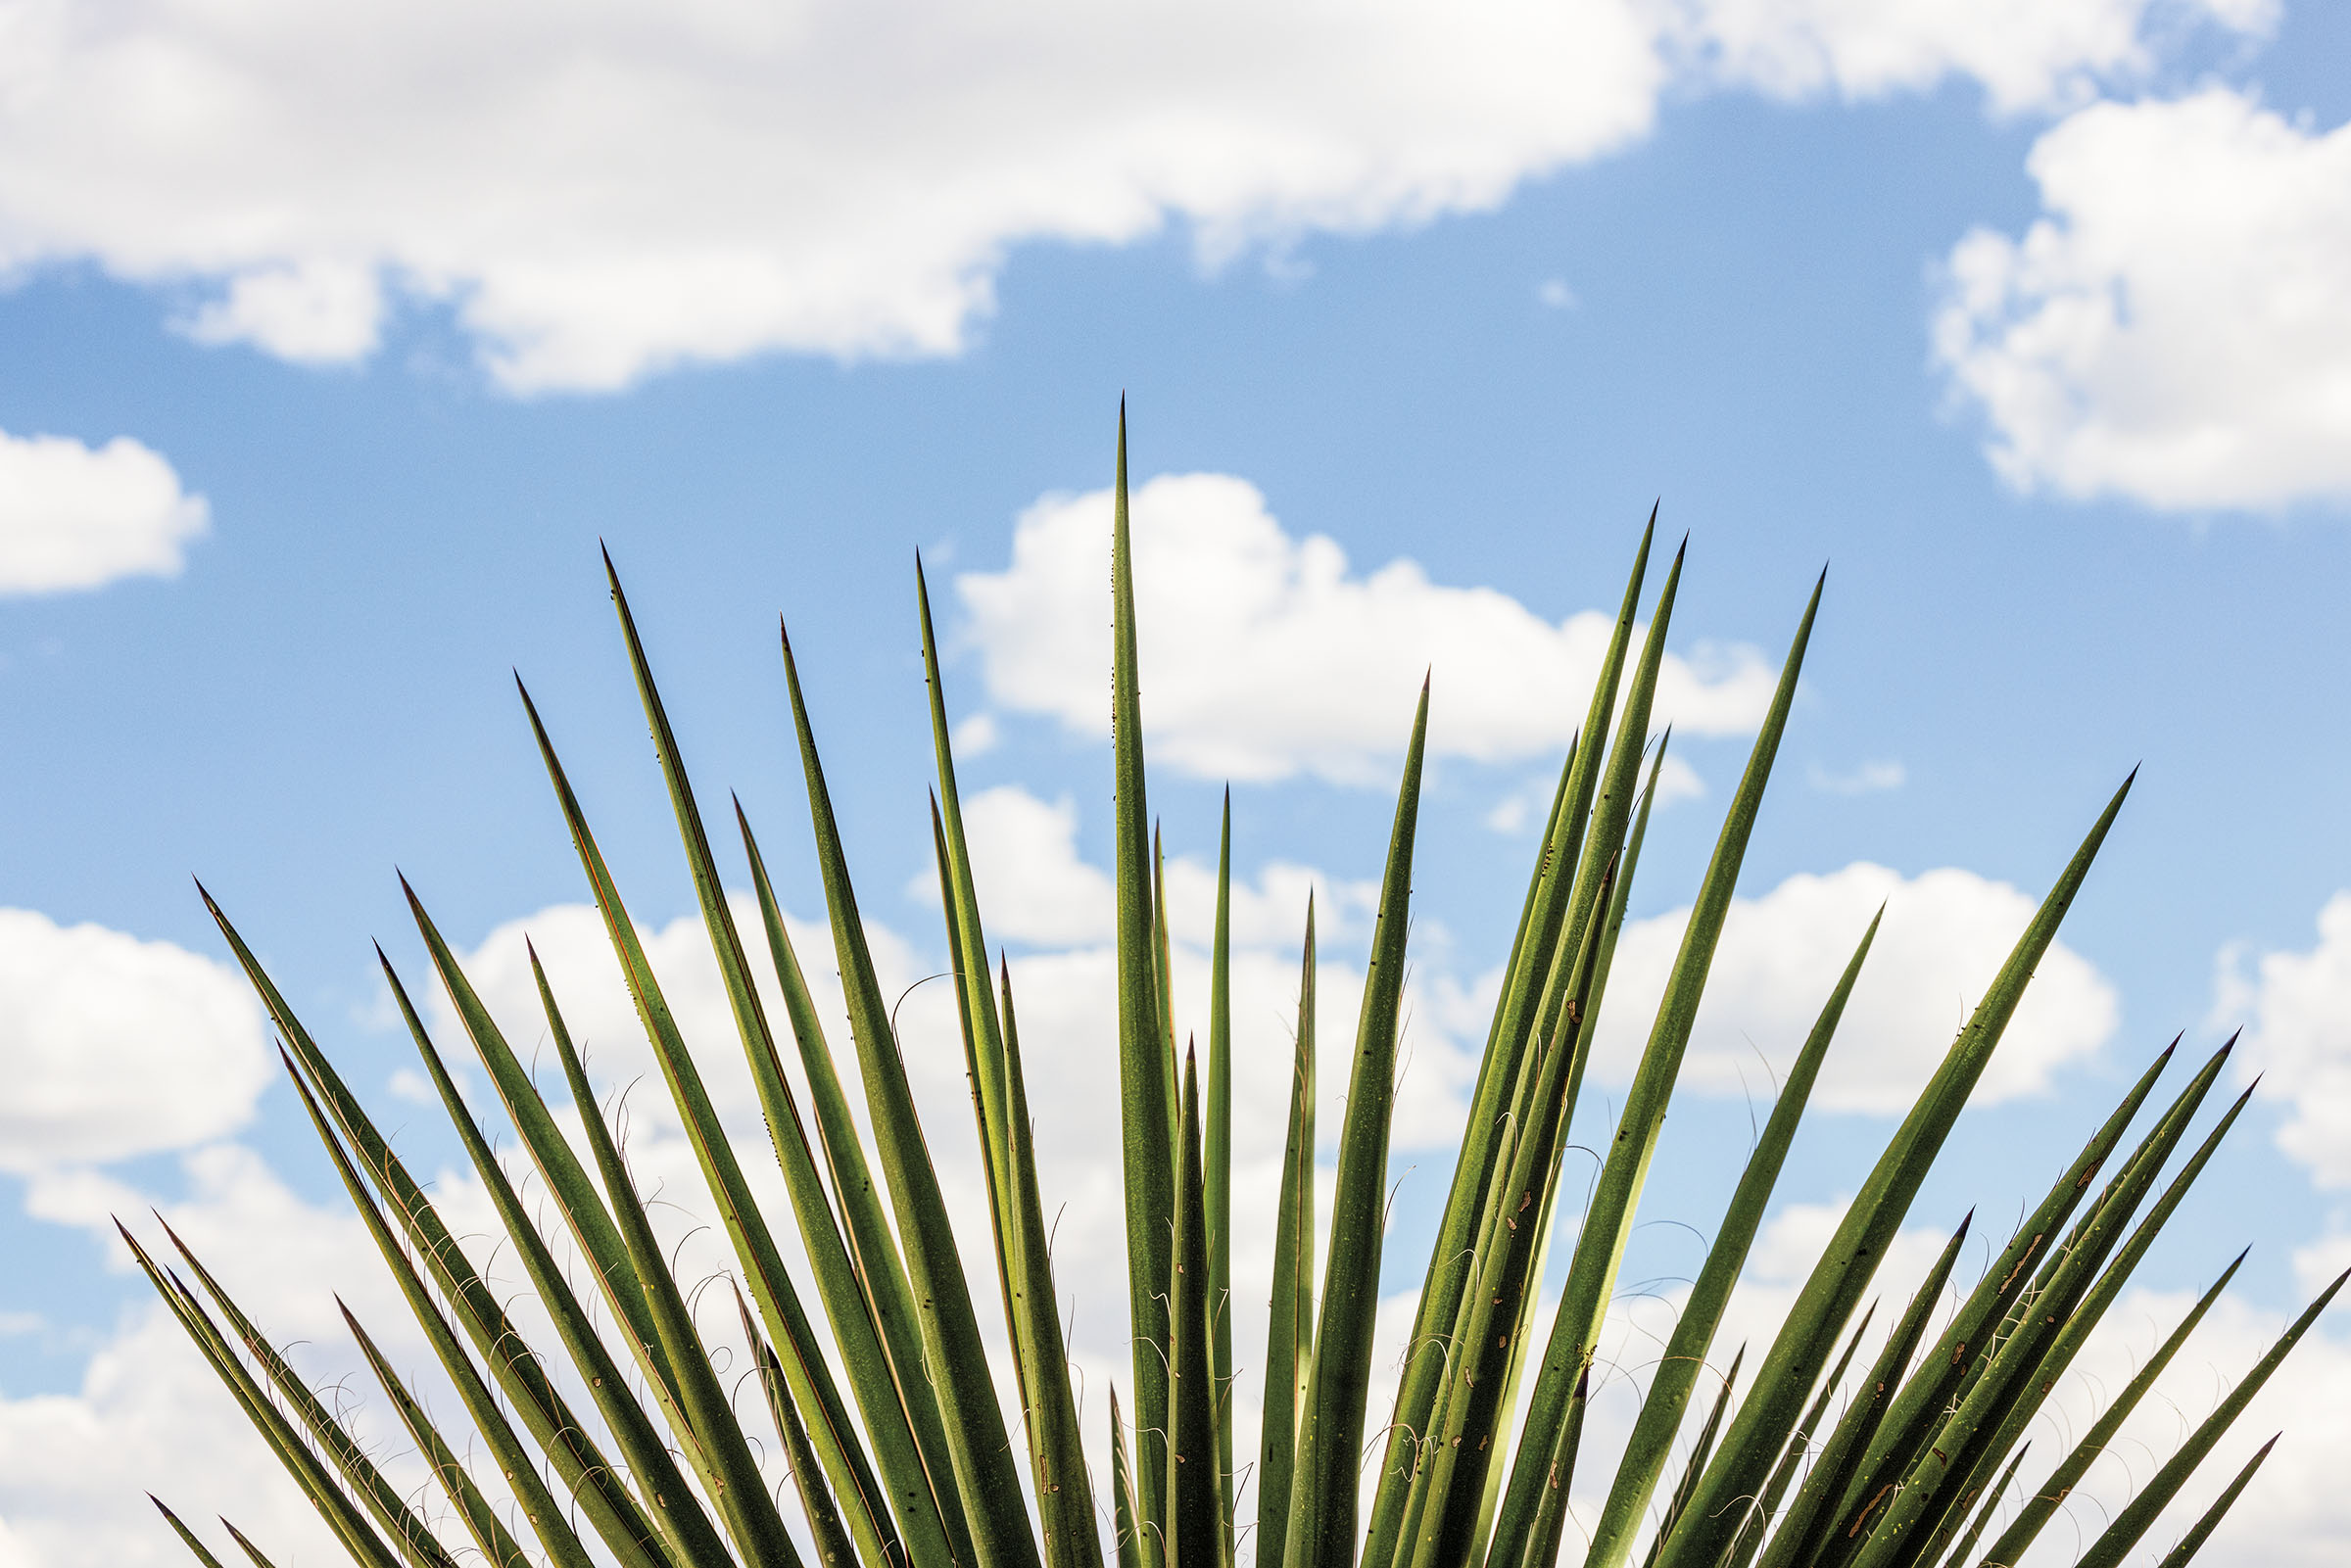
(1641, 1321)
(602, 192)
(1944, 936)
(1033, 888)
(1037, 891)
(2176, 328)
(1678, 780)
(2295, 1514)
(2027, 54)
(149, 1414)
(2295, 1008)
(1868, 779)
(112, 1046)
(1267, 655)
(1527, 808)
(74, 517)
(976, 736)
(315, 313)
(72, 1465)
(1516, 811)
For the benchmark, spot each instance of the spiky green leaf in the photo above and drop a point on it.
(2112, 1546)
(1330, 1427)
(1290, 1308)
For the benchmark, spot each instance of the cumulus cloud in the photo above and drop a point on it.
(77, 517)
(2176, 327)
(1944, 936)
(2294, 1515)
(112, 1046)
(1527, 809)
(70, 1464)
(1034, 889)
(2026, 54)
(1271, 655)
(1037, 893)
(149, 1414)
(600, 193)
(2295, 1009)
(1869, 778)
(1642, 1317)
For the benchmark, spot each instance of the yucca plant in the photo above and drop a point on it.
(898, 1451)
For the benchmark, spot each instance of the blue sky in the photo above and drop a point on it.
(1467, 295)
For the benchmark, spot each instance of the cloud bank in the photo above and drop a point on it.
(599, 193)
(71, 1464)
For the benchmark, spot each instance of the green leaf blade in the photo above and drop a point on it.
(2120, 1537)
(1877, 1211)
(978, 1443)
(1290, 1311)
(2009, 1548)
(1196, 1532)
(1540, 920)
(1662, 1408)
(1323, 1484)
(1616, 1197)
